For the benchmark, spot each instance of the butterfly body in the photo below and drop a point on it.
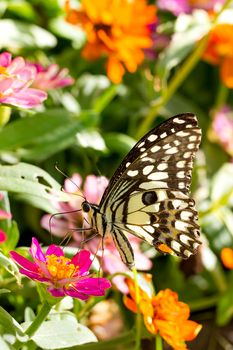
(148, 196)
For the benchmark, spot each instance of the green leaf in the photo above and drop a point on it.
(40, 136)
(21, 35)
(66, 30)
(29, 314)
(21, 8)
(32, 183)
(9, 265)
(59, 334)
(119, 143)
(12, 236)
(222, 185)
(225, 305)
(188, 30)
(91, 139)
(3, 291)
(4, 345)
(11, 326)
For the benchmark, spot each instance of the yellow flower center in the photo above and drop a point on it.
(60, 267)
(3, 70)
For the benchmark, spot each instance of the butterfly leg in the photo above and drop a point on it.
(124, 247)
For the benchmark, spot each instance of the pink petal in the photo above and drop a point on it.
(56, 292)
(93, 286)
(54, 249)
(4, 215)
(82, 259)
(5, 59)
(94, 188)
(3, 236)
(75, 294)
(73, 185)
(36, 251)
(57, 226)
(119, 282)
(27, 73)
(16, 65)
(33, 276)
(6, 84)
(27, 98)
(27, 264)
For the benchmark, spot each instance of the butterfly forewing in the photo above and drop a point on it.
(148, 195)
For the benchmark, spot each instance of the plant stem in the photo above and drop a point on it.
(5, 114)
(43, 313)
(138, 315)
(178, 78)
(174, 84)
(158, 342)
(222, 95)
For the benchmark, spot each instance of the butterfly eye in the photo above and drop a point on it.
(86, 207)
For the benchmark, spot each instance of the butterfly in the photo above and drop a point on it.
(149, 194)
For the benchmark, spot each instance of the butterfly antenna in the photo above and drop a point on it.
(67, 177)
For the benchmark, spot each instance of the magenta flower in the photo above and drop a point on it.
(222, 129)
(63, 276)
(185, 6)
(51, 77)
(15, 79)
(3, 216)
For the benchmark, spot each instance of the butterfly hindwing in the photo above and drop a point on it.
(148, 195)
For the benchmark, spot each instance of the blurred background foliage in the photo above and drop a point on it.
(88, 127)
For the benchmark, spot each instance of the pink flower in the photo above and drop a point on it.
(185, 6)
(15, 79)
(63, 276)
(93, 190)
(3, 216)
(222, 129)
(51, 77)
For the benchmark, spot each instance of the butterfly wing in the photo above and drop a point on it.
(148, 195)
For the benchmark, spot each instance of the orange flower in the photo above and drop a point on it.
(165, 314)
(219, 51)
(118, 29)
(227, 257)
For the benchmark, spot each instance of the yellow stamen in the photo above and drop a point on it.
(60, 267)
(3, 70)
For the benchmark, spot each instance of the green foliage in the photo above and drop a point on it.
(87, 128)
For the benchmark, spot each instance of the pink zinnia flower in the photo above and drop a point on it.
(187, 6)
(110, 260)
(15, 79)
(222, 129)
(3, 216)
(51, 77)
(63, 276)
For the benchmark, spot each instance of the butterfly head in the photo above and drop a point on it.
(86, 207)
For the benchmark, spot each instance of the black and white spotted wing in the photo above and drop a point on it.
(148, 195)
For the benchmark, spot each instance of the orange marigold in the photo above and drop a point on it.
(118, 29)
(227, 257)
(219, 51)
(165, 314)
